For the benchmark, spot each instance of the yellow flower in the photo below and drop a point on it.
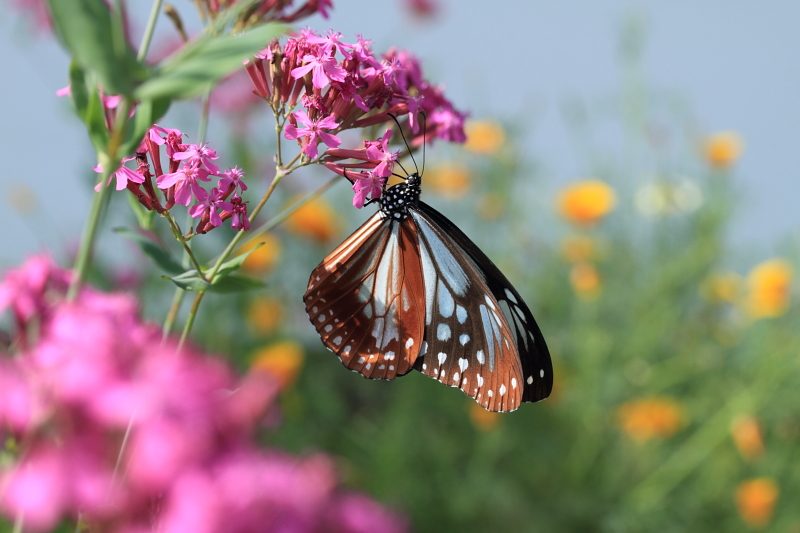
(723, 149)
(264, 315)
(723, 287)
(585, 280)
(769, 285)
(451, 180)
(281, 360)
(650, 418)
(578, 248)
(746, 433)
(264, 258)
(586, 202)
(482, 419)
(316, 220)
(755, 499)
(484, 137)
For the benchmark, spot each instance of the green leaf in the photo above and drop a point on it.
(79, 93)
(236, 283)
(203, 62)
(95, 121)
(189, 281)
(230, 266)
(152, 249)
(97, 44)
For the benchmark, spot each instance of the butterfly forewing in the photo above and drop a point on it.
(469, 343)
(366, 299)
(533, 353)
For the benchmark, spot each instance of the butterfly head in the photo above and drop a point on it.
(397, 199)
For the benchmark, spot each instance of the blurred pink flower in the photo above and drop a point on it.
(116, 427)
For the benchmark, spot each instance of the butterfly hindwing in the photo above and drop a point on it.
(533, 353)
(366, 299)
(469, 343)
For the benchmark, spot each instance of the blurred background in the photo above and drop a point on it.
(630, 166)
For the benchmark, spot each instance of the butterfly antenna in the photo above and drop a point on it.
(399, 127)
(424, 140)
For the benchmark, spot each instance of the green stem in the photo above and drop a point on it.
(176, 231)
(147, 38)
(190, 319)
(202, 128)
(175, 306)
(110, 164)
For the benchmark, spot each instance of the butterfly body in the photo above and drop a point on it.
(408, 290)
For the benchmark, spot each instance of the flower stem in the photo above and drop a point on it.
(149, 30)
(190, 319)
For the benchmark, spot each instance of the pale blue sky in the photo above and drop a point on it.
(736, 62)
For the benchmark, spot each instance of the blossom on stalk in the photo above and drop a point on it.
(324, 69)
(123, 175)
(198, 155)
(210, 204)
(232, 177)
(313, 131)
(371, 185)
(185, 180)
(239, 214)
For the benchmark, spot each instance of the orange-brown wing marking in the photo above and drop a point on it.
(367, 301)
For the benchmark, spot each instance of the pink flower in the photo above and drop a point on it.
(313, 131)
(37, 489)
(371, 185)
(232, 177)
(172, 138)
(240, 220)
(27, 289)
(186, 180)
(331, 43)
(123, 175)
(378, 151)
(195, 155)
(324, 67)
(211, 204)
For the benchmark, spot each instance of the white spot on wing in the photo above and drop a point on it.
(328, 328)
(461, 314)
(530, 380)
(445, 300)
(409, 342)
(463, 364)
(480, 357)
(443, 332)
(502, 389)
(514, 383)
(442, 358)
(337, 341)
(463, 339)
(480, 381)
(541, 373)
(510, 296)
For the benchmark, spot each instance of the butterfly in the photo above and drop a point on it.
(410, 291)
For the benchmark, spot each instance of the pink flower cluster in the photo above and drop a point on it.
(189, 164)
(344, 86)
(110, 428)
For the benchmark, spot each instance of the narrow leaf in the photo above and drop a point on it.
(154, 251)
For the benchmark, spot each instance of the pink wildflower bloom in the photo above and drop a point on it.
(324, 69)
(26, 289)
(331, 43)
(371, 185)
(123, 175)
(232, 177)
(186, 181)
(210, 203)
(313, 131)
(65, 91)
(448, 124)
(198, 155)
(240, 220)
(362, 52)
(378, 151)
(172, 138)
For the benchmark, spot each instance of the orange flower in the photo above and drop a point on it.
(264, 315)
(264, 258)
(586, 202)
(491, 206)
(482, 419)
(484, 137)
(769, 285)
(585, 280)
(451, 180)
(281, 360)
(755, 499)
(650, 418)
(577, 248)
(316, 220)
(723, 287)
(723, 149)
(746, 433)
